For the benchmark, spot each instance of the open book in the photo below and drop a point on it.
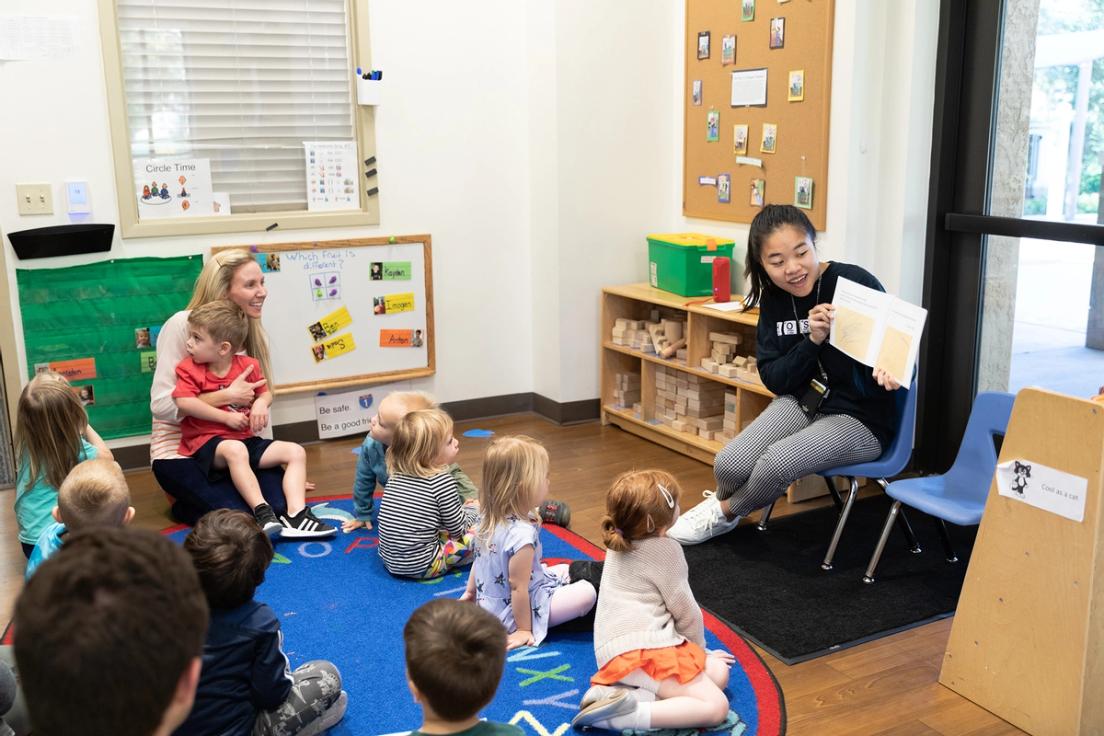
(877, 329)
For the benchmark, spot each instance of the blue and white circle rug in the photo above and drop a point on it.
(336, 602)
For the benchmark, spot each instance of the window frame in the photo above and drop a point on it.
(129, 224)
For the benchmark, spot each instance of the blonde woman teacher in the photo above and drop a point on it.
(233, 275)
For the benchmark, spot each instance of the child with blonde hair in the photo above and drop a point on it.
(649, 635)
(508, 578)
(372, 465)
(52, 434)
(94, 494)
(424, 527)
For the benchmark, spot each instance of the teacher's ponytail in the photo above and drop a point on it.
(769, 219)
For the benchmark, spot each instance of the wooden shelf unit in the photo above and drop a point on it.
(636, 301)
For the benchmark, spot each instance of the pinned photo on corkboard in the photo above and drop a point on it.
(696, 93)
(703, 45)
(777, 33)
(803, 192)
(769, 143)
(795, 92)
(758, 192)
(728, 50)
(740, 139)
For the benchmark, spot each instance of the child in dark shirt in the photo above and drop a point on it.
(455, 652)
(246, 685)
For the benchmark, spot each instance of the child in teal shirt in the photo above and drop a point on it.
(52, 434)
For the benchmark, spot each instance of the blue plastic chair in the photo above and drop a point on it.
(891, 462)
(958, 496)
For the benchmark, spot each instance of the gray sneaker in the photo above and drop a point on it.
(702, 523)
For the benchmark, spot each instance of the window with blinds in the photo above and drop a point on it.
(242, 83)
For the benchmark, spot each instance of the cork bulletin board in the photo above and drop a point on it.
(801, 42)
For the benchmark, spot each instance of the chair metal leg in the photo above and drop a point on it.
(762, 525)
(835, 494)
(947, 548)
(869, 576)
(903, 522)
(827, 564)
(906, 529)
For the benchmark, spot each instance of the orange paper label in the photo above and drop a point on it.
(396, 338)
(81, 369)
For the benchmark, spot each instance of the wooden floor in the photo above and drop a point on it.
(887, 687)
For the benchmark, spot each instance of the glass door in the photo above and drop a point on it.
(1014, 268)
(1043, 300)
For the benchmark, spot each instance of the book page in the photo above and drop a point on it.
(877, 329)
(860, 314)
(901, 342)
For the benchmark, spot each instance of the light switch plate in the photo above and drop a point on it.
(35, 199)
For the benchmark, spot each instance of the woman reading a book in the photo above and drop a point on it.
(830, 409)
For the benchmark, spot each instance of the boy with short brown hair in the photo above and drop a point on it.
(223, 439)
(455, 652)
(108, 636)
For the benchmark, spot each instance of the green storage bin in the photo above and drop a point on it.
(683, 262)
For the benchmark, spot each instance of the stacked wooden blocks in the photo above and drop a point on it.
(729, 428)
(724, 361)
(689, 403)
(633, 333)
(626, 389)
(661, 336)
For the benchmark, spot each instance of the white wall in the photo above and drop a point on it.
(452, 148)
(538, 143)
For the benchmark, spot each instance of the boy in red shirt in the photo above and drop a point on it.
(223, 439)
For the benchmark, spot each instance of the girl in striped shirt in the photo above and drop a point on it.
(425, 530)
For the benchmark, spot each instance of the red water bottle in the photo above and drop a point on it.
(722, 280)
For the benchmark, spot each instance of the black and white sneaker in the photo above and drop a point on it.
(266, 519)
(305, 525)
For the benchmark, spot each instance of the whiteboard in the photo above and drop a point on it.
(384, 286)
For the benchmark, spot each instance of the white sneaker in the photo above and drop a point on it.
(702, 523)
(604, 709)
(598, 692)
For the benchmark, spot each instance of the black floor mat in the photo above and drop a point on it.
(769, 585)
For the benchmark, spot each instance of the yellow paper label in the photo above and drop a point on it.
(332, 323)
(399, 303)
(333, 348)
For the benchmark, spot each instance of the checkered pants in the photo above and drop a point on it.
(782, 445)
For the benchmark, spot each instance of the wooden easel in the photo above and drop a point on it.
(1027, 641)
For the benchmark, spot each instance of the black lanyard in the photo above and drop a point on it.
(793, 302)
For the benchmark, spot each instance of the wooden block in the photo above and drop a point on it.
(705, 434)
(730, 338)
(679, 425)
(740, 361)
(728, 371)
(636, 324)
(672, 329)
